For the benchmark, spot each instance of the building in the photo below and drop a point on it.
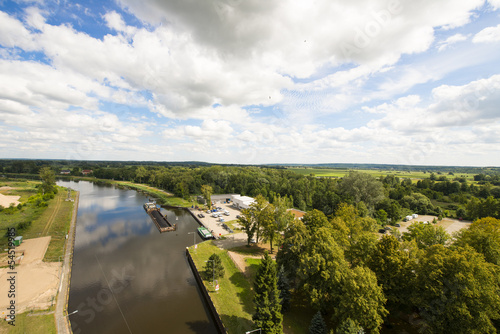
(298, 214)
(242, 202)
(65, 172)
(87, 171)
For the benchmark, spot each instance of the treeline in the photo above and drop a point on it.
(386, 199)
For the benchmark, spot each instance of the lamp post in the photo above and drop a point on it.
(194, 237)
(213, 271)
(258, 329)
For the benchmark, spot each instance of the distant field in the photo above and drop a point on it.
(334, 172)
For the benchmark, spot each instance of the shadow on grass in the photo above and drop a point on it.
(253, 249)
(236, 324)
(246, 292)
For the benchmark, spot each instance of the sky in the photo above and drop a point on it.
(252, 82)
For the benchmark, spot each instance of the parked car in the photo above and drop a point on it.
(382, 230)
(227, 213)
(388, 228)
(238, 216)
(398, 225)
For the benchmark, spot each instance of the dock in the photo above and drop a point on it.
(160, 220)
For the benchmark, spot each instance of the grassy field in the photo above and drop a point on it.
(341, 172)
(42, 322)
(233, 301)
(165, 197)
(53, 220)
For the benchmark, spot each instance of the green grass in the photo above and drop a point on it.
(39, 217)
(162, 197)
(233, 301)
(60, 228)
(28, 322)
(341, 172)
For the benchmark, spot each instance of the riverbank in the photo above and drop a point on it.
(39, 279)
(234, 300)
(61, 314)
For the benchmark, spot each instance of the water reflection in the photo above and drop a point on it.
(127, 277)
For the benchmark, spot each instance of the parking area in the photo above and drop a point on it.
(225, 214)
(449, 224)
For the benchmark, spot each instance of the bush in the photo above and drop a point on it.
(23, 225)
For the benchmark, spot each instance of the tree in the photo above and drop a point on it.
(484, 236)
(322, 265)
(270, 229)
(393, 268)
(426, 235)
(267, 315)
(315, 219)
(458, 291)
(349, 326)
(362, 187)
(48, 180)
(318, 325)
(214, 268)
(361, 248)
(207, 191)
(259, 215)
(295, 241)
(140, 173)
(247, 220)
(284, 287)
(361, 299)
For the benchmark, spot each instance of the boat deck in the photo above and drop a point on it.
(160, 221)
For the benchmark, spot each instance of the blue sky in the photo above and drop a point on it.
(233, 81)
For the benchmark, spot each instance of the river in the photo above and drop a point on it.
(126, 276)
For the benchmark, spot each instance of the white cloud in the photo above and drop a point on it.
(488, 35)
(450, 41)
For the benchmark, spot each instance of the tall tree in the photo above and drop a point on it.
(484, 236)
(322, 266)
(362, 187)
(315, 219)
(394, 269)
(48, 179)
(295, 242)
(458, 291)
(361, 299)
(257, 209)
(207, 191)
(247, 220)
(267, 315)
(284, 287)
(140, 173)
(426, 235)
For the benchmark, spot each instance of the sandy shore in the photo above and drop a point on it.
(36, 282)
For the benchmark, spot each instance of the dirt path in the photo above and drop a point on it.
(52, 216)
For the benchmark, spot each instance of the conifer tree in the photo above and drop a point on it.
(318, 325)
(284, 287)
(267, 315)
(214, 268)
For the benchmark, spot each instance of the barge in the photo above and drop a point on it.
(204, 233)
(158, 219)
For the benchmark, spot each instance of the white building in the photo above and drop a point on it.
(242, 202)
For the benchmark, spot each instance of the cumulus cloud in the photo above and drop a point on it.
(488, 35)
(235, 76)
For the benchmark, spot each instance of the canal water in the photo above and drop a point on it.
(126, 276)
